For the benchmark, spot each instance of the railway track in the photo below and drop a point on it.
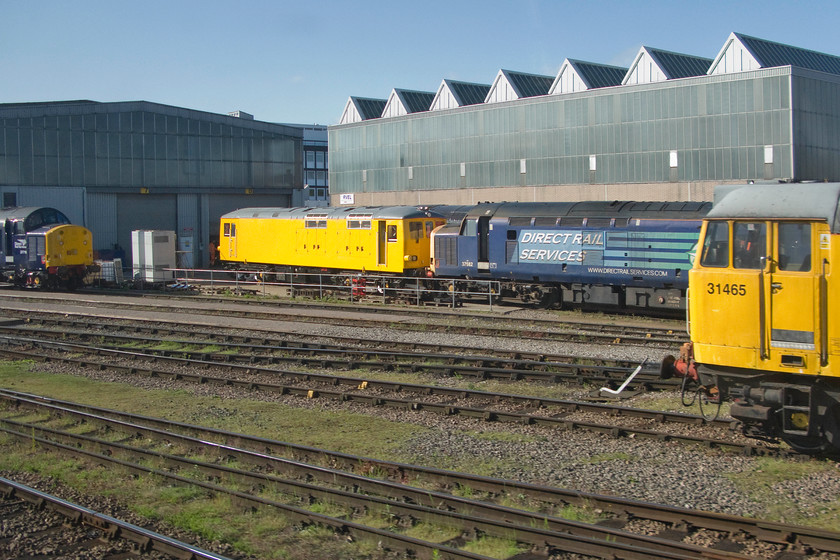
(299, 474)
(69, 321)
(34, 522)
(301, 353)
(612, 327)
(481, 324)
(487, 406)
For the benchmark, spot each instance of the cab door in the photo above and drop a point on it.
(483, 243)
(727, 294)
(229, 238)
(794, 293)
(381, 243)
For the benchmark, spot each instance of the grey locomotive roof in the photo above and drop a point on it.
(337, 213)
(615, 209)
(16, 212)
(23, 212)
(815, 201)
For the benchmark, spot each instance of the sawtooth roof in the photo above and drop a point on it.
(467, 93)
(769, 53)
(369, 108)
(678, 65)
(529, 85)
(596, 75)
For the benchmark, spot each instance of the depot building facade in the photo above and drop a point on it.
(668, 127)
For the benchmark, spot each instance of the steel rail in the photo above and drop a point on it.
(565, 406)
(525, 331)
(401, 501)
(580, 324)
(768, 531)
(156, 327)
(146, 539)
(442, 408)
(480, 367)
(163, 326)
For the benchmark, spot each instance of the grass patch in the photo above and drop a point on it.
(670, 401)
(432, 533)
(582, 514)
(494, 547)
(337, 431)
(265, 534)
(167, 345)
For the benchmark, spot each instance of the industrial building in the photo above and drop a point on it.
(668, 127)
(124, 166)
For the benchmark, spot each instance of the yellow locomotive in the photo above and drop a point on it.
(764, 310)
(388, 239)
(40, 248)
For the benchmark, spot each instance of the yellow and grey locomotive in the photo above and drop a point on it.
(764, 310)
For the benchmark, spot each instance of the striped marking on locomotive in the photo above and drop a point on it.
(660, 250)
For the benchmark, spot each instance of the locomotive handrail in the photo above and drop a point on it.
(823, 315)
(687, 313)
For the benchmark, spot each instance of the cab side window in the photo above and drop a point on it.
(750, 244)
(716, 245)
(469, 228)
(795, 247)
(415, 231)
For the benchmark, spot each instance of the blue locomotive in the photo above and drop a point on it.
(39, 247)
(625, 254)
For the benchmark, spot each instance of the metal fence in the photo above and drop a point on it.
(348, 287)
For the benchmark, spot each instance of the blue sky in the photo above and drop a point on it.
(299, 61)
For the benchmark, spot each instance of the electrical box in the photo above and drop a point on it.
(152, 252)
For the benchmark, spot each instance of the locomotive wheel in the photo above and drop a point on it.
(828, 441)
(831, 426)
(808, 445)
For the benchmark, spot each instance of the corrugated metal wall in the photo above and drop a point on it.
(70, 200)
(146, 212)
(102, 222)
(222, 204)
(190, 233)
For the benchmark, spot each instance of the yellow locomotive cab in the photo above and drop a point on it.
(759, 298)
(764, 309)
(69, 245)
